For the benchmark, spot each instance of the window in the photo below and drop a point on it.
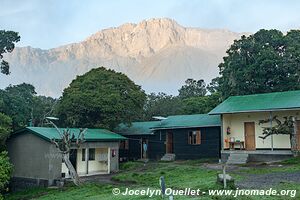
(91, 154)
(83, 154)
(124, 145)
(194, 137)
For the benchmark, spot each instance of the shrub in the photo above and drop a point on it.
(5, 171)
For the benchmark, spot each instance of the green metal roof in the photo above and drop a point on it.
(91, 134)
(137, 128)
(186, 121)
(259, 102)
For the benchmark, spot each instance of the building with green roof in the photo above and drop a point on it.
(181, 136)
(138, 133)
(241, 116)
(37, 162)
(188, 121)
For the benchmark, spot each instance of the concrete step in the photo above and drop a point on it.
(236, 158)
(168, 157)
(239, 155)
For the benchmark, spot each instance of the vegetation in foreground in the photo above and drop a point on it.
(178, 175)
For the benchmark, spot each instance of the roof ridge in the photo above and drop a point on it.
(188, 115)
(259, 102)
(246, 95)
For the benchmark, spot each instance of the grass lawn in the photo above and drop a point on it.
(178, 175)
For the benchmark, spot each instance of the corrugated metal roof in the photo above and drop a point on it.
(137, 128)
(259, 102)
(90, 135)
(186, 121)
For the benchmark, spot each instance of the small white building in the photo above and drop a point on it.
(38, 162)
(242, 132)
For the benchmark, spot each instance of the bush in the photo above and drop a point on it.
(5, 171)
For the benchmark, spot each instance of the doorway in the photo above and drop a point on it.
(144, 148)
(249, 128)
(73, 158)
(169, 142)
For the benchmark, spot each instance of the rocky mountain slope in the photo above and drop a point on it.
(158, 54)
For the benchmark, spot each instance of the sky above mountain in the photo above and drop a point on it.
(48, 24)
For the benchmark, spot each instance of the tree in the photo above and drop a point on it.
(42, 107)
(21, 104)
(200, 105)
(192, 88)
(17, 102)
(162, 104)
(213, 86)
(101, 98)
(7, 45)
(266, 61)
(5, 129)
(5, 171)
(287, 127)
(64, 144)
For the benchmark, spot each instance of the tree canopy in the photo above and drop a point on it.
(267, 61)
(200, 105)
(192, 99)
(17, 103)
(5, 129)
(21, 104)
(101, 98)
(192, 88)
(7, 45)
(162, 104)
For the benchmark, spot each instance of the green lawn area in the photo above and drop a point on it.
(178, 175)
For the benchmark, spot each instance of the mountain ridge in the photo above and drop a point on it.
(148, 52)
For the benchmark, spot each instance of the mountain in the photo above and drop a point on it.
(158, 54)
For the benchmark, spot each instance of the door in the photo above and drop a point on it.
(73, 158)
(169, 142)
(249, 128)
(144, 148)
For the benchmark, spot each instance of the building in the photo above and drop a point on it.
(242, 132)
(37, 162)
(181, 136)
(138, 133)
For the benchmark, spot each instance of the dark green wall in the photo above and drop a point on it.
(209, 147)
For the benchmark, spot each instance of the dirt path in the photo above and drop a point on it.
(105, 179)
(257, 181)
(260, 181)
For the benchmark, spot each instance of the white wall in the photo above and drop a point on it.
(96, 165)
(100, 162)
(236, 124)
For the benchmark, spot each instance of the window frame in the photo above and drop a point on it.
(124, 145)
(92, 156)
(195, 137)
(83, 152)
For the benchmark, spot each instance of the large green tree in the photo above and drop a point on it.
(17, 102)
(266, 61)
(7, 45)
(101, 98)
(21, 104)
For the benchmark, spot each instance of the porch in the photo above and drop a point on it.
(263, 155)
(89, 162)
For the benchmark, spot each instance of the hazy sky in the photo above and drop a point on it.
(50, 23)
